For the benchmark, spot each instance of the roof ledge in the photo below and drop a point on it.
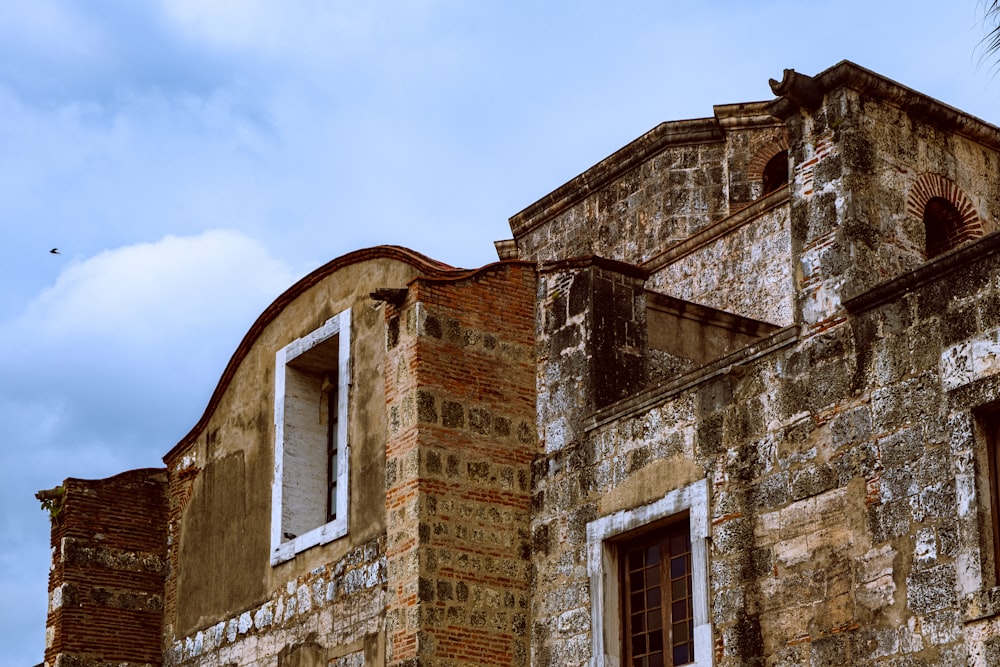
(798, 91)
(586, 261)
(696, 131)
(745, 115)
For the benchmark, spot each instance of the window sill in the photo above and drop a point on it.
(324, 534)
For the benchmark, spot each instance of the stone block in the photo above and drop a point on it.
(851, 427)
(932, 589)
(888, 521)
(811, 481)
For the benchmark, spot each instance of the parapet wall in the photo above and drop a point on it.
(108, 567)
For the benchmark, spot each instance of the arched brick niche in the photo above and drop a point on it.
(769, 165)
(949, 216)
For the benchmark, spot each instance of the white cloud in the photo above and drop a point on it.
(86, 175)
(151, 293)
(124, 349)
(104, 371)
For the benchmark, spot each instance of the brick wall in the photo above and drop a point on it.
(460, 385)
(108, 568)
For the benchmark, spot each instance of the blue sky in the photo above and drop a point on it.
(192, 158)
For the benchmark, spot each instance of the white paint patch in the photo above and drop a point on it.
(821, 302)
(263, 617)
(969, 572)
(56, 598)
(965, 491)
(925, 550)
(971, 360)
(245, 623)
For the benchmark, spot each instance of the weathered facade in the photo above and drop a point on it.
(729, 397)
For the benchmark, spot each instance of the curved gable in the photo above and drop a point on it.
(424, 265)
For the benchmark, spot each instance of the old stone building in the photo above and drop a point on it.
(729, 397)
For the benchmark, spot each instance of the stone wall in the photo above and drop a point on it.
(664, 200)
(858, 164)
(753, 137)
(665, 186)
(744, 268)
(631, 464)
(335, 614)
(888, 151)
(591, 342)
(847, 498)
(846, 459)
(674, 191)
(927, 344)
(849, 503)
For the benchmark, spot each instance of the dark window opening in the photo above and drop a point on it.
(943, 227)
(330, 387)
(657, 606)
(775, 172)
(991, 424)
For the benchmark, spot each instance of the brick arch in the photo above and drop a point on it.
(755, 170)
(929, 187)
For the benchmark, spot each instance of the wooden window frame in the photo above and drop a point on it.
(606, 534)
(332, 445)
(665, 553)
(990, 422)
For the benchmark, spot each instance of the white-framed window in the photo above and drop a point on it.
(309, 494)
(613, 572)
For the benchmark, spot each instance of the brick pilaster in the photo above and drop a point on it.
(461, 399)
